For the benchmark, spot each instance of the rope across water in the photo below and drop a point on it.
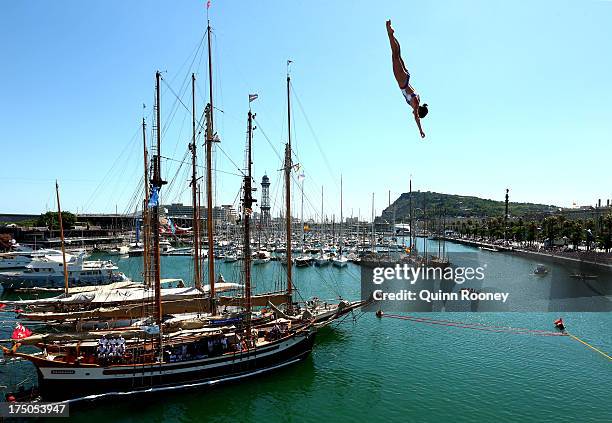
(476, 326)
(495, 329)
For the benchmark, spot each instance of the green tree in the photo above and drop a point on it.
(532, 228)
(51, 221)
(576, 233)
(550, 225)
(606, 235)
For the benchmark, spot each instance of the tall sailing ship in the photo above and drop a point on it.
(152, 358)
(180, 339)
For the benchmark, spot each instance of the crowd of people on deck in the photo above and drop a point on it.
(111, 349)
(209, 347)
(277, 332)
(217, 345)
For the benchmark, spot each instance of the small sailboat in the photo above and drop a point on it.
(322, 259)
(340, 261)
(230, 257)
(302, 261)
(261, 257)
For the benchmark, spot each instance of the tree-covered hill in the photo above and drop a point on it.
(454, 206)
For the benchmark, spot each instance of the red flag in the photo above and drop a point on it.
(21, 332)
(208, 4)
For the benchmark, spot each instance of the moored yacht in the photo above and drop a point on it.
(20, 259)
(48, 272)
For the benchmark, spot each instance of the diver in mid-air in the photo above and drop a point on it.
(403, 79)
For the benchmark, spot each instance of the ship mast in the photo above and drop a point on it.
(194, 193)
(410, 216)
(145, 213)
(288, 186)
(322, 220)
(372, 243)
(210, 138)
(247, 208)
(146, 159)
(341, 219)
(157, 183)
(302, 217)
(59, 216)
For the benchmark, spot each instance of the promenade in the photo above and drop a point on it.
(600, 259)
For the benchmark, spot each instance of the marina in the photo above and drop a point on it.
(320, 378)
(210, 215)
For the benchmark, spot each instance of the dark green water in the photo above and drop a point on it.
(386, 369)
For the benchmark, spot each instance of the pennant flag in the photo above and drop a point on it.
(208, 4)
(154, 198)
(21, 332)
(252, 97)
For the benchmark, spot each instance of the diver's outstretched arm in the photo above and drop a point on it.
(417, 119)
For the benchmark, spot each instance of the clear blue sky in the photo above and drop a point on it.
(519, 95)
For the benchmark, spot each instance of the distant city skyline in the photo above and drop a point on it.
(518, 93)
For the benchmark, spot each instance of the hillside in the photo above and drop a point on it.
(458, 206)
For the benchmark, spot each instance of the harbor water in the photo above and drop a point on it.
(370, 369)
